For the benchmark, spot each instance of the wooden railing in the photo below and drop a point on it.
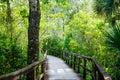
(89, 67)
(24, 71)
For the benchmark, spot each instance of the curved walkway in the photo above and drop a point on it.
(57, 69)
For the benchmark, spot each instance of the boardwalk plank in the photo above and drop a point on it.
(58, 70)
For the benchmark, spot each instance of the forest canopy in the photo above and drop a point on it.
(86, 27)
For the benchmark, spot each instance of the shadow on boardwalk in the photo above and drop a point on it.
(57, 69)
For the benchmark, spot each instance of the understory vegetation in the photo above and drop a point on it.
(85, 27)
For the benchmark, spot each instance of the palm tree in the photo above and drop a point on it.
(113, 42)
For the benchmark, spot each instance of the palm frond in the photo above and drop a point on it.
(113, 37)
(104, 7)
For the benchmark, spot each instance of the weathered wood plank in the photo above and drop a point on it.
(58, 70)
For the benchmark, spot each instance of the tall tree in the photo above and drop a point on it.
(33, 35)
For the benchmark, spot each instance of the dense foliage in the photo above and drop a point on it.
(87, 27)
(12, 56)
(12, 37)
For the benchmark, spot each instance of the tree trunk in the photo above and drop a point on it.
(9, 19)
(33, 35)
(9, 31)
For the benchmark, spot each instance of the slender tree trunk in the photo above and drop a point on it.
(9, 18)
(33, 35)
(9, 26)
(9, 31)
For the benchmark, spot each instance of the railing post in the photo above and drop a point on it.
(31, 77)
(68, 59)
(100, 77)
(74, 62)
(57, 53)
(78, 65)
(71, 61)
(65, 58)
(42, 71)
(93, 72)
(62, 55)
(84, 71)
(36, 73)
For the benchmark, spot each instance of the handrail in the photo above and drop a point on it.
(78, 62)
(101, 70)
(22, 72)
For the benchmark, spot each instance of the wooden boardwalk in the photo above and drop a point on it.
(58, 70)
